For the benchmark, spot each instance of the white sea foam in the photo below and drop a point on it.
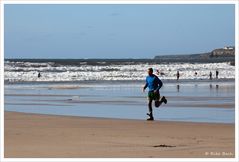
(28, 71)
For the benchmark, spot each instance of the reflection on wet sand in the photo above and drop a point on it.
(125, 101)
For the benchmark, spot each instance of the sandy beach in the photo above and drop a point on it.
(45, 136)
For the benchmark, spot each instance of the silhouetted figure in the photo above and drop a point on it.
(160, 73)
(39, 75)
(217, 74)
(178, 75)
(210, 75)
(195, 73)
(157, 72)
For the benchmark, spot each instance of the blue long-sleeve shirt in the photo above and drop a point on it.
(153, 83)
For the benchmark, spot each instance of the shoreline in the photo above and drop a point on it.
(34, 135)
(88, 82)
(112, 118)
(108, 118)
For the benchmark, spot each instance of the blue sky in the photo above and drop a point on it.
(116, 31)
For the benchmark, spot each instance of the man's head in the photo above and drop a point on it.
(150, 71)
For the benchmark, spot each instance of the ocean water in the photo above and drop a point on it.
(212, 101)
(98, 70)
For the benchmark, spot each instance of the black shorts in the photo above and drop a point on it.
(153, 96)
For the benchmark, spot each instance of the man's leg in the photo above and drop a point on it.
(150, 106)
(157, 102)
(150, 114)
(163, 99)
(160, 100)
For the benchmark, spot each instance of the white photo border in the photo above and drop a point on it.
(4, 2)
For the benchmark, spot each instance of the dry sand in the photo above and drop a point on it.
(44, 136)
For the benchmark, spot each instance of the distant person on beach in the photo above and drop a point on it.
(195, 74)
(217, 74)
(39, 75)
(178, 75)
(157, 72)
(210, 75)
(154, 84)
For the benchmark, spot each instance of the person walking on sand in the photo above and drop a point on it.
(154, 84)
(178, 75)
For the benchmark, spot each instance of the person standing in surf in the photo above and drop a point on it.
(217, 74)
(153, 83)
(210, 75)
(178, 75)
(39, 75)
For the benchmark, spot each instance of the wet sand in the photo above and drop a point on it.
(45, 136)
(192, 102)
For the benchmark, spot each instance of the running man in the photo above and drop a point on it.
(154, 84)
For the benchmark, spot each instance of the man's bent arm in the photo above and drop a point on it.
(160, 83)
(145, 86)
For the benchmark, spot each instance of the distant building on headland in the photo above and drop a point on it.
(227, 51)
(229, 48)
(225, 54)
